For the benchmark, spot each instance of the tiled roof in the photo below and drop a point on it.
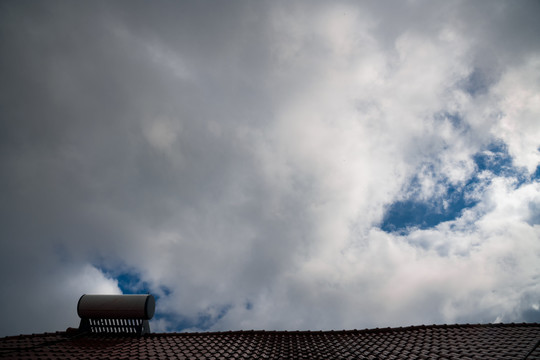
(494, 341)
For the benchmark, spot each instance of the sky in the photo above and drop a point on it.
(279, 165)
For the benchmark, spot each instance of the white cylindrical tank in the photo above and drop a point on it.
(116, 307)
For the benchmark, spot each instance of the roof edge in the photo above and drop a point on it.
(69, 333)
(366, 330)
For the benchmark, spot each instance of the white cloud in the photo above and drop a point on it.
(518, 92)
(90, 280)
(385, 279)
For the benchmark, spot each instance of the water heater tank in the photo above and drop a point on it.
(116, 307)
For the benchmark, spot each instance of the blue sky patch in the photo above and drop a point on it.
(496, 159)
(132, 283)
(405, 215)
(129, 282)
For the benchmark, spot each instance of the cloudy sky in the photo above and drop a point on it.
(271, 165)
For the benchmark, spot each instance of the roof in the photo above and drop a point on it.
(493, 341)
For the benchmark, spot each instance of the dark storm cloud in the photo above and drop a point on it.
(80, 172)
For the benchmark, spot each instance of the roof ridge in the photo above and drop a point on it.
(56, 333)
(366, 330)
(261, 331)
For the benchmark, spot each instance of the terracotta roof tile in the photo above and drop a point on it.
(509, 341)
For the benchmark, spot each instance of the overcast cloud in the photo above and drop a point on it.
(271, 165)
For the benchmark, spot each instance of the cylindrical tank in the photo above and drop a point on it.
(116, 307)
